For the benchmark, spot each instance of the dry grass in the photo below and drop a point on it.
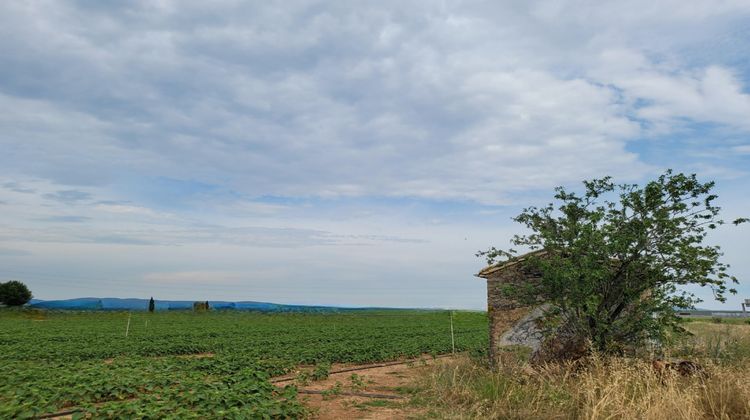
(725, 344)
(613, 388)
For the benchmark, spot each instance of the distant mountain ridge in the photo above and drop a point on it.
(135, 304)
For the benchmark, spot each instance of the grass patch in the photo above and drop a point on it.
(407, 389)
(717, 320)
(603, 388)
(722, 344)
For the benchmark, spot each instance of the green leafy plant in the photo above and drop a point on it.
(336, 389)
(322, 371)
(358, 382)
(302, 378)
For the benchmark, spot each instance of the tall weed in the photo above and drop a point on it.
(600, 388)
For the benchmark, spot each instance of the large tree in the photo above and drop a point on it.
(617, 256)
(14, 293)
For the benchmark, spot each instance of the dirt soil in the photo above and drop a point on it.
(387, 386)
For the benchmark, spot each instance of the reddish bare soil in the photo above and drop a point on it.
(382, 391)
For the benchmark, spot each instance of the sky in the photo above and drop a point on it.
(345, 153)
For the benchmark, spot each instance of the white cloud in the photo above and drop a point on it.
(469, 102)
(195, 277)
(429, 102)
(673, 96)
(125, 209)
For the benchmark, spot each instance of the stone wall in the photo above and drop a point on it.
(511, 323)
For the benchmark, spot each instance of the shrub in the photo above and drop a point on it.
(14, 293)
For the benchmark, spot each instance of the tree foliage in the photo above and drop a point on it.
(14, 293)
(616, 257)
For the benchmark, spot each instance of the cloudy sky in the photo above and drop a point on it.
(340, 152)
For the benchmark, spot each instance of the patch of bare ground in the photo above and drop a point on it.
(364, 392)
(63, 417)
(347, 407)
(338, 367)
(196, 355)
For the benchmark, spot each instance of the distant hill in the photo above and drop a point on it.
(133, 304)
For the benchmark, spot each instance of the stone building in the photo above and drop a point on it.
(511, 323)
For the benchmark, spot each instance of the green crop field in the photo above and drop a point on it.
(53, 362)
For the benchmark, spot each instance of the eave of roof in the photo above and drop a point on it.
(491, 269)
